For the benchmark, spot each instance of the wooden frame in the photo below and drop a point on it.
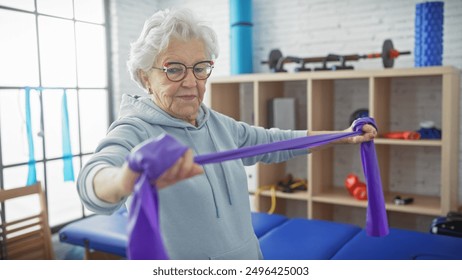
(322, 195)
(29, 237)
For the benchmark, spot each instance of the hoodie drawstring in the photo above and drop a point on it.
(221, 166)
(206, 174)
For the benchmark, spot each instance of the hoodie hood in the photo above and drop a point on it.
(144, 108)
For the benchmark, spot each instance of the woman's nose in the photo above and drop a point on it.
(190, 80)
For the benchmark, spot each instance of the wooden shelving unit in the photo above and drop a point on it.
(323, 194)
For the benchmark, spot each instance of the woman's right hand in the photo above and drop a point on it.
(111, 184)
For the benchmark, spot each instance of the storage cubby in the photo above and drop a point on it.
(398, 99)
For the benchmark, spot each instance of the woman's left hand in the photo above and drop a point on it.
(369, 134)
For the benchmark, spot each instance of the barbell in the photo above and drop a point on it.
(276, 60)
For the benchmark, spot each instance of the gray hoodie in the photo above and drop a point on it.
(204, 217)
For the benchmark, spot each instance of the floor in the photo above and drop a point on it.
(64, 251)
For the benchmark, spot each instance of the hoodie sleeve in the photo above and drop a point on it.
(122, 137)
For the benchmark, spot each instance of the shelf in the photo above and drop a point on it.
(344, 74)
(396, 98)
(338, 196)
(425, 205)
(300, 195)
(430, 143)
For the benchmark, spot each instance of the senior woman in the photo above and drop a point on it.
(204, 211)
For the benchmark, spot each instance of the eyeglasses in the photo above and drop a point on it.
(176, 71)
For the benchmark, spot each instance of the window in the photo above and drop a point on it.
(55, 48)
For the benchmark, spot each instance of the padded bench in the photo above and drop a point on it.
(263, 223)
(302, 239)
(284, 238)
(108, 234)
(401, 245)
(99, 233)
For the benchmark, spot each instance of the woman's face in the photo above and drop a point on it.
(179, 99)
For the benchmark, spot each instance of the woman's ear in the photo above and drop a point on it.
(144, 78)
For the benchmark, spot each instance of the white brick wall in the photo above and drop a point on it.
(127, 19)
(316, 28)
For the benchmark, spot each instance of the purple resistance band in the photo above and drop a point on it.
(155, 156)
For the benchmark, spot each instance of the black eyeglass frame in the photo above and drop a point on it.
(185, 73)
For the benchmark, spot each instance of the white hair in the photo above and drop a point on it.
(157, 32)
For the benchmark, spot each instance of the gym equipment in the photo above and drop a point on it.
(99, 234)
(241, 36)
(32, 171)
(360, 113)
(450, 225)
(429, 131)
(283, 238)
(68, 169)
(66, 140)
(289, 184)
(429, 29)
(286, 238)
(272, 189)
(150, 160)
(406, 135)
(355, 187)
(398, 200)
(276, 60)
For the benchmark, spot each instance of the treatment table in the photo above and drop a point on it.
(282, 238)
